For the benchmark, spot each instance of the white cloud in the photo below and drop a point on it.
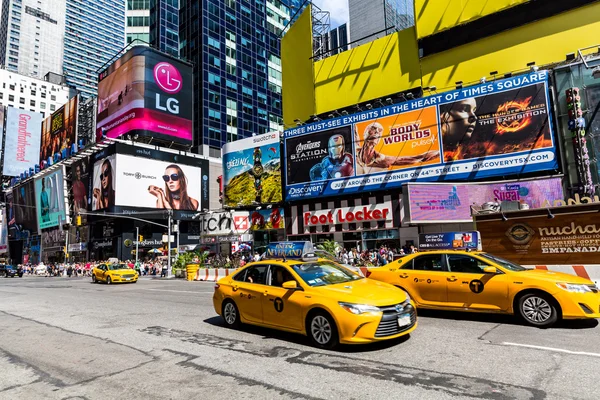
(338, 10)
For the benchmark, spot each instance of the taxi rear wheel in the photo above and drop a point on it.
(94, 279)
(538, 309)
(322, 330)
(231, 314)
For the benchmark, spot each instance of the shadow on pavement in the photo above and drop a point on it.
(268, 333)
(505, 319)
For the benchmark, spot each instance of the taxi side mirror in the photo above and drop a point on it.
(290, 285)
(490, 270)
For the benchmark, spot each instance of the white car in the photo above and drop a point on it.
(41, 269)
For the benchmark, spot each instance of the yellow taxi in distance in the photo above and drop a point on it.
(315, 297)
(114, 273)
(482, 282)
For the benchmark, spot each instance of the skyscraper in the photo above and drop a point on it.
(234, 47)
(164, 25)
(369, 18)
(94, 33)
(138, 20)
(31, 36)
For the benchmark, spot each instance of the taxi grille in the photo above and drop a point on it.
(388, 326)
(128, 275)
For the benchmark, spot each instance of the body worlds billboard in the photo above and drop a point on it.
(146, 93)
(22, 144)
(252, 171)
(494, 129)
(59, 130)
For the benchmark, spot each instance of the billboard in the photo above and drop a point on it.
(267, 219)
(3, 232)
(24, 206)
(146, 93)
(59, 130)
(452, 202)
(252, 171)
(79, 184)
(131, 179)
(22, 143)
(450, 241)
(50, 199)
(498, 128)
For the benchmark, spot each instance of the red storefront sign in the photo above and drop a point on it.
(357, 214)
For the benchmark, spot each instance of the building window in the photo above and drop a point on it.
(11, 87)
(230, 36)
(274, 59)
(247, 108)
(231, 85)
(261, 98)
(230, 18)
(32, 103)
(21, 100)
(214, 134)
(247, 91)
(52, 97)
(43, 106)
(11, 97)
(52, 107)
(213, 97)
(229, 52)
(231, 121)
(43, 94)
(138, 21)
(214, 115)
(214, 79)
(230, 3)
(230, 69)
(262, 114)
(214, 43)
(231, 104)
(214, 61)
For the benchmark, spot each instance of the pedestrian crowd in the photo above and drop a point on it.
(373, 257)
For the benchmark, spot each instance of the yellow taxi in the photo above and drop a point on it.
(293, 290)
(114, 273)
(482, 282)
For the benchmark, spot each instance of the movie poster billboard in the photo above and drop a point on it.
(22, 143)
(80, 177)
(252, 171)
(499, 128)
(146, 93)
(10, 210)
(50, 199)
(443, 202)
(267, 219)
(24, 206)
(3, 232)
(132, 179)
(59, 131)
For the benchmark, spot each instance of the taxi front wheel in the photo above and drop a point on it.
(538, 309)
(231, 314)
(322, 330)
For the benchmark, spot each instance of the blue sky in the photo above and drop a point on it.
(338, 10)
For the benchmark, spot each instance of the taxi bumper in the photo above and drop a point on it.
(579, 305)
(374, 327)
(124, 279)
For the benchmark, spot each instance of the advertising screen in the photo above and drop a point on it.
(498, 128)
(50, 199)
(22, 143)
(2, 114)
(146, 93)
(252, 171)
(24, 206)
(79, 185)
(103, 188)
(3, 232)
(59, 130)
(450, 241)
(267, 219)
(10, 210)
(452, 202)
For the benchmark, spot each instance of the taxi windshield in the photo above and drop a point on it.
(115, 267)
(324, 273)
(504, 263)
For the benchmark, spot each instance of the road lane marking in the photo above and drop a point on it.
(531, 346)
(176, 291)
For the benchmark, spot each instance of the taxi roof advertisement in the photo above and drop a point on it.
(252, 171)
(493, 129)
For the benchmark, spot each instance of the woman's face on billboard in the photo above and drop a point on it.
(105, 174)
(172, 184)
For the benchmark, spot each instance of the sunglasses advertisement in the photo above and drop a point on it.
(103, 188)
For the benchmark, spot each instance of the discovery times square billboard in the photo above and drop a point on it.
(146, 93)
(498, 128)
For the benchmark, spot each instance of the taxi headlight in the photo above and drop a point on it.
(358, 308)
(575, 288)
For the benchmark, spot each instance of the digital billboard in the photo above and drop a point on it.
(24, 206)
(499, 128)
(50, 199)
(267, 219)
(252, 171)
(131, 179)
(452, 202)
(80, 176)
(22, 143)
(2, 114)
(146, 93)
(59, 130)
(3, 232)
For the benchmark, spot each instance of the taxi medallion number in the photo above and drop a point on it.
(404, 320)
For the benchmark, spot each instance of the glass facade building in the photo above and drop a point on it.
(235, 48)
(164, 26)
(138, 20)
(369, 18)
(94, 34)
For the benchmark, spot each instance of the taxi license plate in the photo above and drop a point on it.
(127, 279)
(404, 320)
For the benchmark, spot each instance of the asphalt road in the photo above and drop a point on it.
(66, 338)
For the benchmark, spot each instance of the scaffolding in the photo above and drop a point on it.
(321, 25)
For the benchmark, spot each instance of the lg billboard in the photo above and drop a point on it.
(500, 128)
(146, 93)
(130, 179)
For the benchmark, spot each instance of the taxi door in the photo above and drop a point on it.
(248, 292)
(282, 307)
(424, 277)
(468, 286)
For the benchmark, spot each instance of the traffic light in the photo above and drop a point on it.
(78, 220)
(141, 238)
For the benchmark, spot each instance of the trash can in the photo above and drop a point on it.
(191, 270)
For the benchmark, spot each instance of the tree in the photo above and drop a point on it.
(330, 246)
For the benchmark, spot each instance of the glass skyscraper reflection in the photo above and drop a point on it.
(234, 46)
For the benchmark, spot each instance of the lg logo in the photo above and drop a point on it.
(168, 78)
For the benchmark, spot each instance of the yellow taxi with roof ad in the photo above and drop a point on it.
(292, 290)
(481, 282)
(114, 273)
